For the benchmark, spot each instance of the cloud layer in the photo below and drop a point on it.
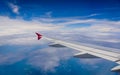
(21, 33)
(101, 30)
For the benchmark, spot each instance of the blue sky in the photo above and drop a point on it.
(94, 22)
(63, 8)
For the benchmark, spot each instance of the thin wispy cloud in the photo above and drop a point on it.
(92, 15)
(15, 8)
(48, 14)
(112, 8)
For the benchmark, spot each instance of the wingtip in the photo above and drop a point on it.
(39, 36)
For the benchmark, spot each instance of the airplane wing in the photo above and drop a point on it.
(86, 51)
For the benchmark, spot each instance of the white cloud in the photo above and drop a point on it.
(18, 31)
(45, 58)
(98, 30)
(14, 8)
(18, 26)
(102, 30)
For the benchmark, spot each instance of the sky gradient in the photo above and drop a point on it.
(92, 22)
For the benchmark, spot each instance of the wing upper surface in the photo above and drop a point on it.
(112, 56)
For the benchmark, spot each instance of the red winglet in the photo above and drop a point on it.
(39, 36)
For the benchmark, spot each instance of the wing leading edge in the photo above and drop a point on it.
(90, 52)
